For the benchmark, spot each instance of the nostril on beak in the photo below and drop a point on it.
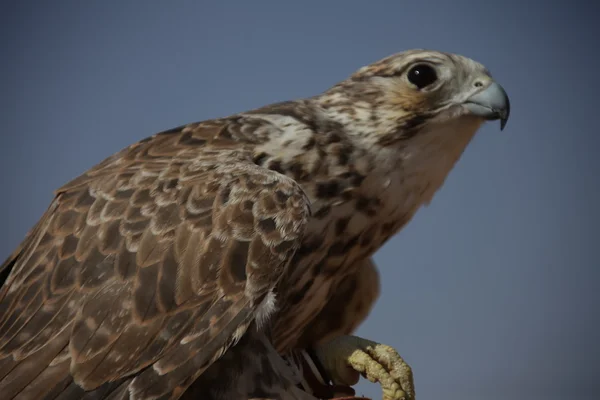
(478, 84)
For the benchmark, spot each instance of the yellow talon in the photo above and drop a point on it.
(346, 357)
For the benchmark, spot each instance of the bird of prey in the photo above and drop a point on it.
(200, 261)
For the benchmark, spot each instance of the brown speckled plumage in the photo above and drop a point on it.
(188, 260)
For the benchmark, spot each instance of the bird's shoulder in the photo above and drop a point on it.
(242, 136)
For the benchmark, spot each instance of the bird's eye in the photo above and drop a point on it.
(422, 75)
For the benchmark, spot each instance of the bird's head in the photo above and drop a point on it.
(417, 91)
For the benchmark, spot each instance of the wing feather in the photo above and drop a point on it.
(147, 267)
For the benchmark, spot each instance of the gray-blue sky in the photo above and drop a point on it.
(490, 292)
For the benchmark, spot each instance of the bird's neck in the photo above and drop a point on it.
(337, 150)
(364, 120)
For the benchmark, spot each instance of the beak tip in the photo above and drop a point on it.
(492, 103)
(506, 112)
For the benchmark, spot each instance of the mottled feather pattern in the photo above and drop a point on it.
(155, 257)
(196, 261)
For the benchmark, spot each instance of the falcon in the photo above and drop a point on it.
(218, 259)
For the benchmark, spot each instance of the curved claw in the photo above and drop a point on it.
(347, 357)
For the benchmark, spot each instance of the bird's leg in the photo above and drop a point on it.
(345, 358)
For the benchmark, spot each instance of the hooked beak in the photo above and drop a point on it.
(491, 103)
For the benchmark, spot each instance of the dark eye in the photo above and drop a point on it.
(422, 75)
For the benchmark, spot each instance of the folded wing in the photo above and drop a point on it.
(146, 269)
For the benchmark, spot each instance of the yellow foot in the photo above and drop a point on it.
(345, 358)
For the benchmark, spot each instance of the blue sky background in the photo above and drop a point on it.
(491, 292)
